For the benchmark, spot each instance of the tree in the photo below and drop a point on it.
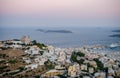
(80, 54)
(74, 57)
(12, 61)
(41, 52)
(49, 65)
(21, 68)
(99, 64)
(34, 42)
(40, 45)
(81, 61)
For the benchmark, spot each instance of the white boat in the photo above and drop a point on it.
(114, 45)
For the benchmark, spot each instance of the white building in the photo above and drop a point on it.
(33, 50)
(27, 60)
(74, 70)
(59, 67)
(111, 71)
(62, 57)
(15, 46)
(103, 59)
(53, 58)
(86, 77)
(83, 67)
(16, 41)
(51, 49)
(31, 66)
(40, 60)
(91, 70)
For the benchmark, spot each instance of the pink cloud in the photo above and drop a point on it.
(67, 8)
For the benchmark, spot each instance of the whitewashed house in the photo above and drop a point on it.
(86, 77)
(31, 66)
(62, 57)
(15, 46)
(27, 60)
(16, 41)
(83, 67)
(74, 71)
(91, 69)
(33, 50)
(40, 60)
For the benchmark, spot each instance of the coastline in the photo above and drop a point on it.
(38, 57)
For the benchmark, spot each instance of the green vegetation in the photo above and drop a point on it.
(34, 42)
(12, 61)
(99, 64)
(13, 73)
(2, 61)
(3, 67)
(62, 76)
(75, 55)
(41, 52)
(37, 76)
(80, 54)
(16, 72)
(85, 70)
(49, 65)
(2, 55)
(21, 68)
(81, 61)
(40, 45)
(88, 65)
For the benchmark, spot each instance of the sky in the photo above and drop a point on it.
(58, 13)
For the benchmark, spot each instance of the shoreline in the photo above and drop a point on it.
(37, 55)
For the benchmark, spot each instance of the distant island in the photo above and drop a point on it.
(116, 31)
(54, 31)
(115, 35)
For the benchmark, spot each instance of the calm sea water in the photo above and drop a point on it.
(80, 36)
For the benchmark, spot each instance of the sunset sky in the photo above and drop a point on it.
(59, 13)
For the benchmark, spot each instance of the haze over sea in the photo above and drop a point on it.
(81, 35)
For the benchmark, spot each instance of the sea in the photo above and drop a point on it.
(81, 36)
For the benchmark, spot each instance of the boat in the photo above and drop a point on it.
(113, 45)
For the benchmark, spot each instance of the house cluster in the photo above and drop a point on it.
(61, 57)
(90, 68)
(15, 43)
(64, 56)
(111, 66)
(74, 70)
(39, 56)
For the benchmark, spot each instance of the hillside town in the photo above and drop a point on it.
(23, 58)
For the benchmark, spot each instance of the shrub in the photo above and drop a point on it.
(12, 61)
(49, 65)
(80, 54)
(3, 67)
(99, 64)
(74, 57)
